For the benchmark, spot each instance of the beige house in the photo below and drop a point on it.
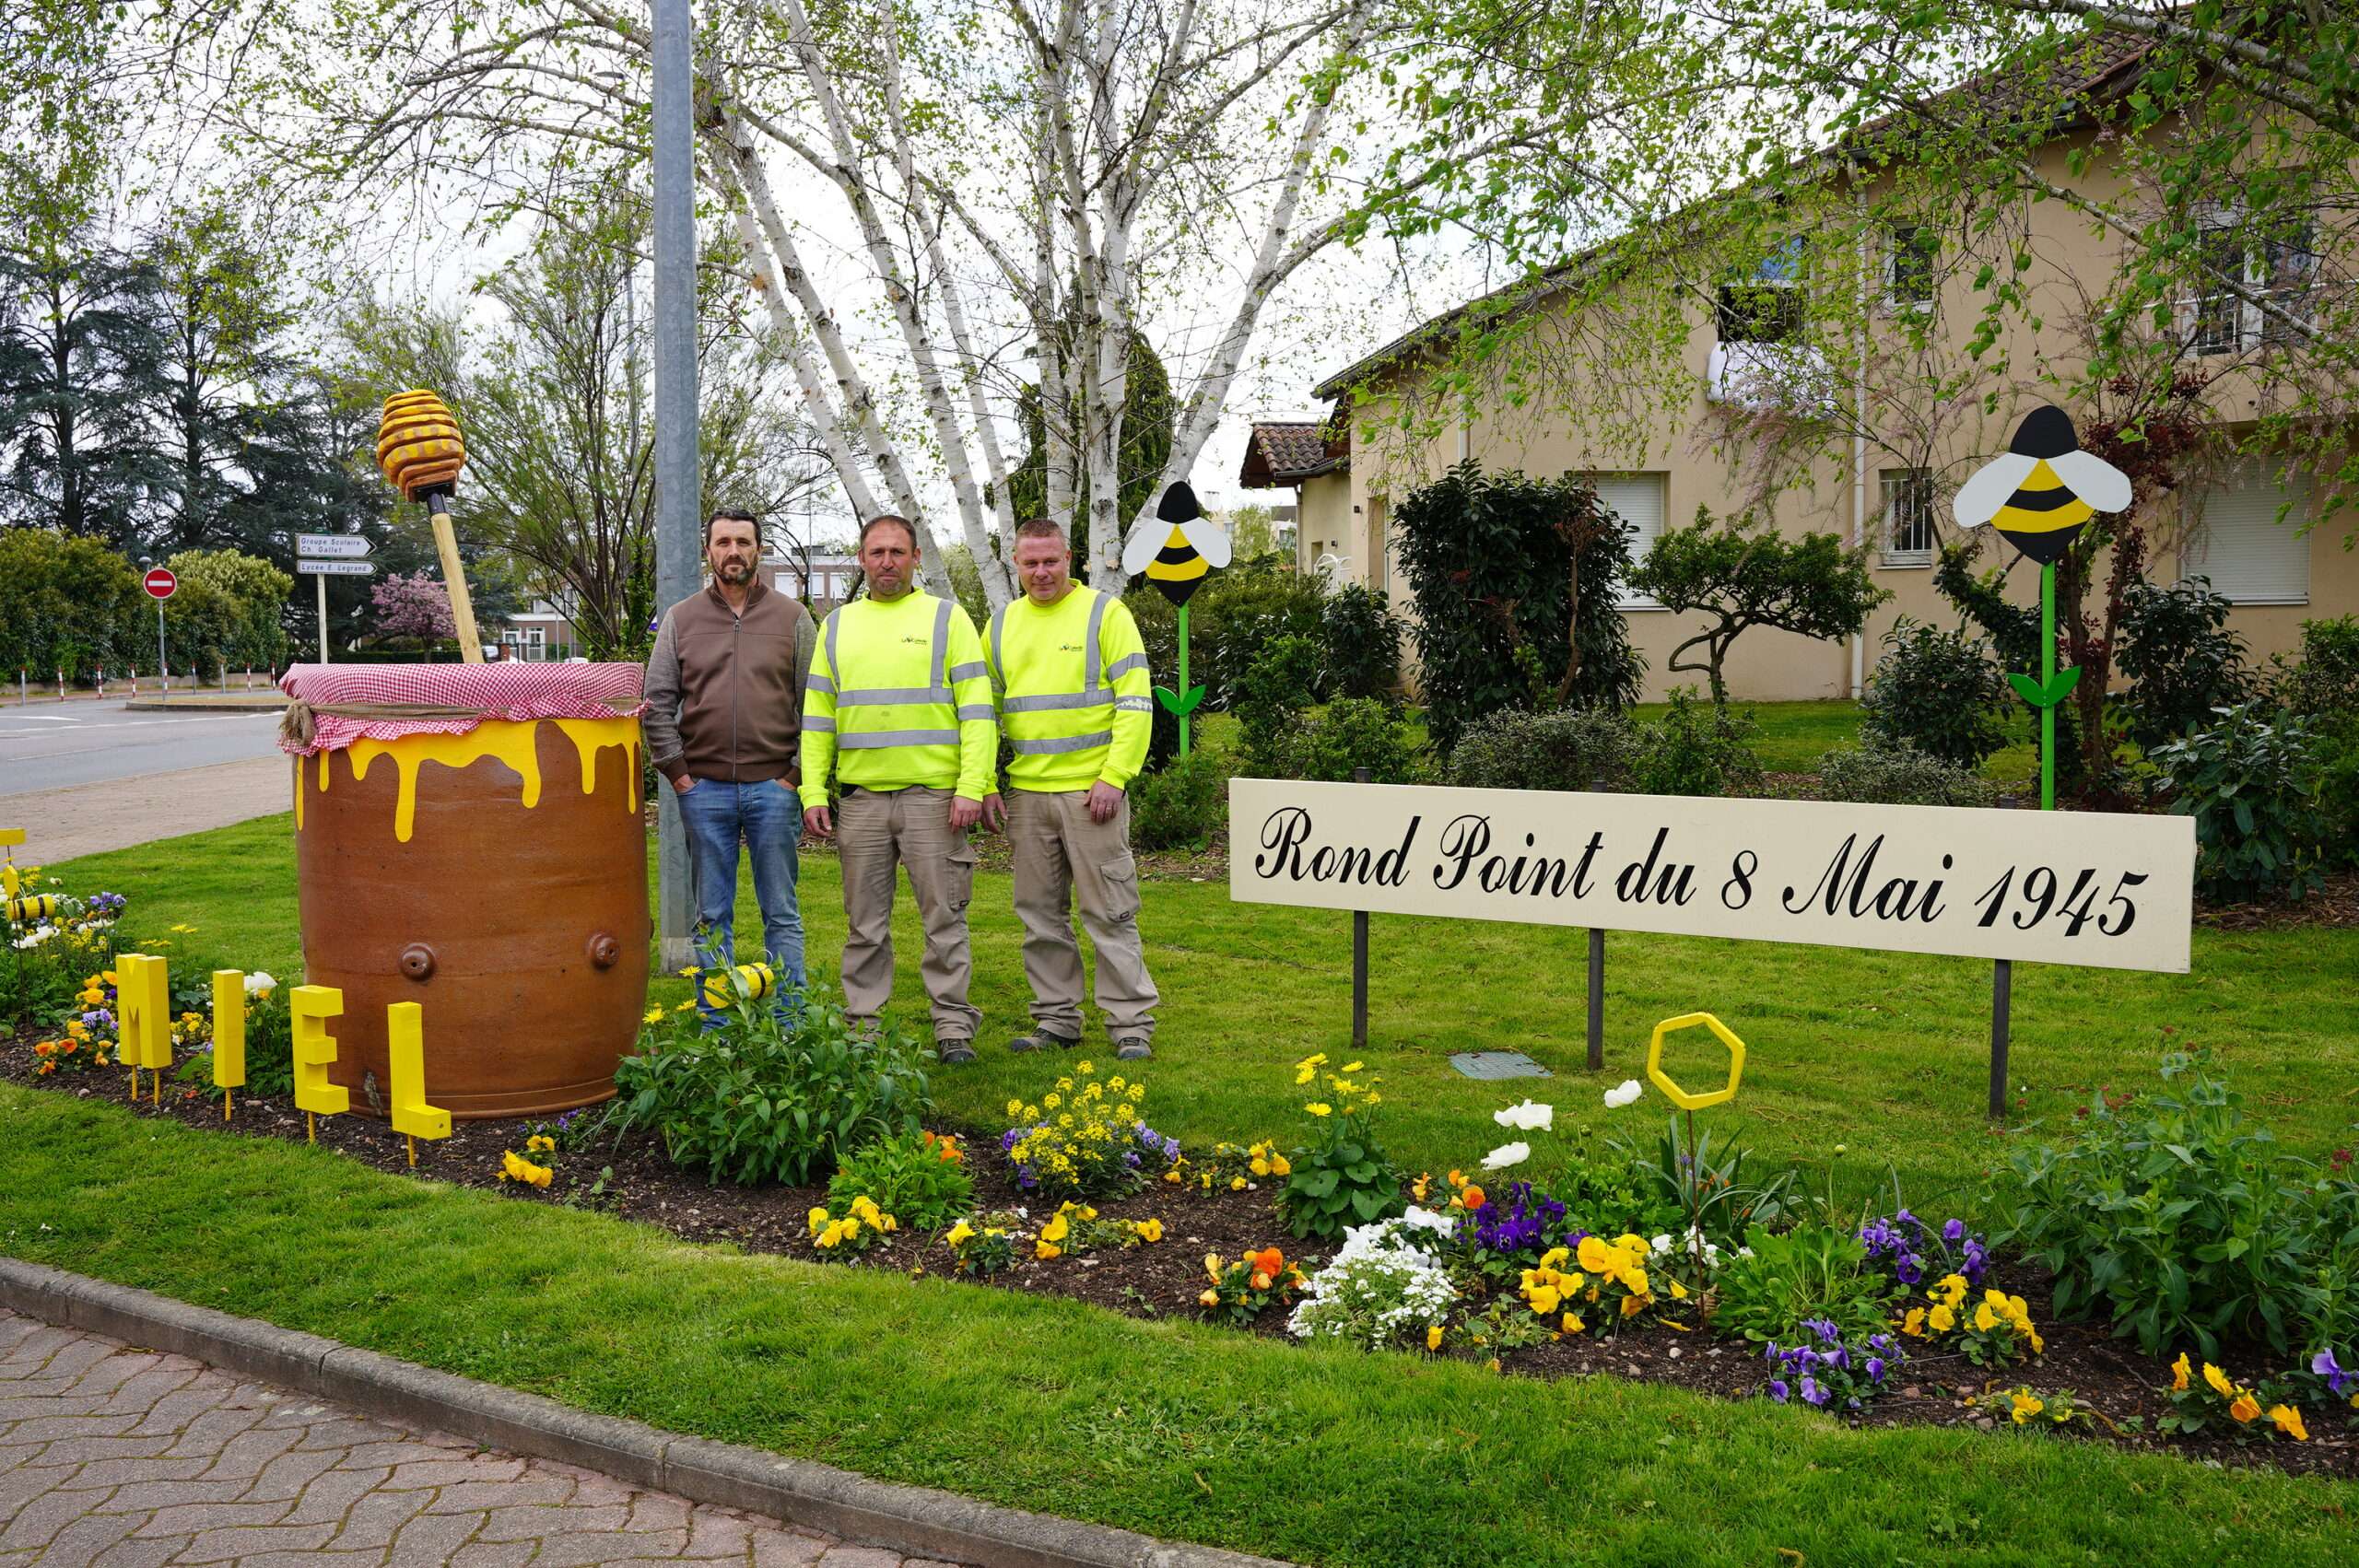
(1883, 479)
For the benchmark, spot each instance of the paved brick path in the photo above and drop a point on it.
(120, 1456)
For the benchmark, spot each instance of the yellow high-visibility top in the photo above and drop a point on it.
(899, 696)
(1074, 694)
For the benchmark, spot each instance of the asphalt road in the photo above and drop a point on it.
(88, 743)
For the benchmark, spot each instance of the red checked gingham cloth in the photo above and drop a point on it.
(484, 691)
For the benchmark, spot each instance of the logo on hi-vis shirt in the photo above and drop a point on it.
(913, 641)
(1068, 648)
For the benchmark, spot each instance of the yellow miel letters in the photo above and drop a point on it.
(229, 1034)
(144, 998)
(311, 1007)
(405, 1041)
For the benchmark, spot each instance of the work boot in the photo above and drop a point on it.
(1041, 1040)
(1132, 1047)
(955, 1053)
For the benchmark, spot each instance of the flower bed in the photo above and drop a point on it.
(1160, 1249)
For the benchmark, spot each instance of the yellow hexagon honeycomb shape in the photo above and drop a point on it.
(1672, 1092)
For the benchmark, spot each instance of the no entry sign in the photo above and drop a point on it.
(159, 583)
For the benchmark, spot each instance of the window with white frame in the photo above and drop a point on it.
(1908, 537)
(1637, 501)
(1908, 266)
(2249, 541)
(2253, 289)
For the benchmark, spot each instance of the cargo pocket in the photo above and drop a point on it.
(1120, 879)
(958, 876)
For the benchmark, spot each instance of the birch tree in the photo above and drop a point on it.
(943, 205)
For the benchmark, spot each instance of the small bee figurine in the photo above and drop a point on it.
(1176, 559)
(2042, 491)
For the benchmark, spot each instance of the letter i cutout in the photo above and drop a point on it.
(405, 1040)
(143, 991)
(314, 1049)
(228, 1035)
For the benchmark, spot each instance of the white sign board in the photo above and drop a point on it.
(2113, 892)
(335, 568)
(332, 546)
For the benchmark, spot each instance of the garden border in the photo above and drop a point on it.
(906, 1519)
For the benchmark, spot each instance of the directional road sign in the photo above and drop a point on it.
(335, 568)
(332, 546)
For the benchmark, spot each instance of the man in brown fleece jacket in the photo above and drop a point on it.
(725, 714)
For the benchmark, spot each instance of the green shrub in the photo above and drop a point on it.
(2323, 684)
(918, 1178)
(1269, 697)
(1487, 563)
(1695, 749)
(1349, 734)
(1179, 805)
(2181, 660)
(1569, 748)
(1900, 777)
(2178, 1219)
(2337, 751)
(2250, 781)
(760, 1100)
(1814, 1271)
(1362, 644)
(1940, 692)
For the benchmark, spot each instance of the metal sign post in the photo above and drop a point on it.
(159, 583)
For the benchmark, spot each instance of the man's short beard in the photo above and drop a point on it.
(735, 571)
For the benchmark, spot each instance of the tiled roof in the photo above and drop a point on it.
(1285, 452)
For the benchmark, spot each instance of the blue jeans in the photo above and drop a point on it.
(767, 817)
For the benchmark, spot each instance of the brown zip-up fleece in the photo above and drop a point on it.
(724, 690)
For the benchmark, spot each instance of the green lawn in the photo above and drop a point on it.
(1198, 1434)
(1183, 1431)
(1886, 1053)
(1794, 736)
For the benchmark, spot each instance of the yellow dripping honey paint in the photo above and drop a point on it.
(513, 745)
(591, 735)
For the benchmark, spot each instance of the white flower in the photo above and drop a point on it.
(1661, 1245)
(259, 983)
(1626, 1094)
(1528, 1116)
(1426, 1219)
(1507, 1155)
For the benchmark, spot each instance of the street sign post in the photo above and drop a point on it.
(336, 549)
(159, 582)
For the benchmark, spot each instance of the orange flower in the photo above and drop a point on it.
(1260, 1281)
(1270, 1261)
(1472, 1197)
(2289, 1421)
(2247, 1409)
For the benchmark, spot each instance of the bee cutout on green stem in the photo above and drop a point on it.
(2039, 494)
(1178, 548)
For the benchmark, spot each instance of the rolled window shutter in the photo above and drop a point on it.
(1637, 501)
(2243, 547)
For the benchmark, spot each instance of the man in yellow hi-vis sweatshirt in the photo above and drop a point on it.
(1076, 698)
(897, 728)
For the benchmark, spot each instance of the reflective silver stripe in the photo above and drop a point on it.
(968, 672)
(818, 684)
(1089, 644)
(878, 696)
(835, 618)
(818, 725)
(875, 740)
(999, 658)
(940, 669)
(1132, 705)
(974, 710)
(1063, 744)
(1056, 699)
(1126, 664)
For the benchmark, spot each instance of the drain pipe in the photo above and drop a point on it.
(1860, 455)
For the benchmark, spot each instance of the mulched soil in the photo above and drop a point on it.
(632, 1178)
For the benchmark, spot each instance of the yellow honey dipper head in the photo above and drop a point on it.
(418, 444)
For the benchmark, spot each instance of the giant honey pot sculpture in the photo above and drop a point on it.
(498, 877)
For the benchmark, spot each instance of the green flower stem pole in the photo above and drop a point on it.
(2046, 678)
(1183, 681)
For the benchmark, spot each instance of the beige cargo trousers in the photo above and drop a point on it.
(875, 831)
(1062, 858)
